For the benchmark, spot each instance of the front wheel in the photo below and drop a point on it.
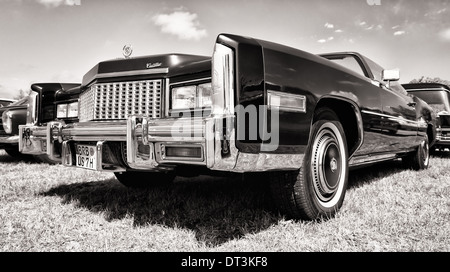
(145, 179)
(318, 189)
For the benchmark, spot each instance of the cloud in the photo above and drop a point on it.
(339, 31)
(399, 33)
(325, 40)
(56, 3)
(328, 25)
(445, 35)
(183, 24)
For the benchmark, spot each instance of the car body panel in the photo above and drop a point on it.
(18, 112)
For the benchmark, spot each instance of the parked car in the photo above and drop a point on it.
(438, 97)
(254, 106)
(6, 101)
(48, 102)
(13, 115)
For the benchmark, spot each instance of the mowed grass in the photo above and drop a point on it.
(387, 208)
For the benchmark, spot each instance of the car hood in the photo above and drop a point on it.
(168, 65)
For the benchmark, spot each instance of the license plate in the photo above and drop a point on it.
(86, 157)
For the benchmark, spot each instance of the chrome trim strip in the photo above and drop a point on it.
(166, 97)
(190, 81)
(130, 73)
(96, 131)
(366, 159)
(427, 89)
(391, 117)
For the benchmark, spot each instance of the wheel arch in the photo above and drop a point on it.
(431, 133)
(349, 115)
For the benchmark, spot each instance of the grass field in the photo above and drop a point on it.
(53, 208)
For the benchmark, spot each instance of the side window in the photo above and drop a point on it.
(396, 86)
(349, 62)
(376, 69)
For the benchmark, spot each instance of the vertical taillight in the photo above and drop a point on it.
(223, 80)
(32, 112)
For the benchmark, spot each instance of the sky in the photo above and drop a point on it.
(60, 40)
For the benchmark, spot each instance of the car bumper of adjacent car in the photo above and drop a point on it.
(33, 139)
(162, 144)
(443, 137)
(40, 140)
(9, 139)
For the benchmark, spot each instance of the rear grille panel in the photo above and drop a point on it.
(119, 100)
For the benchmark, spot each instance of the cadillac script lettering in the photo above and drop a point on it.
(153, 65)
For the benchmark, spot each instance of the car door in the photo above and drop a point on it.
(399, 123)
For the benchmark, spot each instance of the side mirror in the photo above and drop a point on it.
(391, 75)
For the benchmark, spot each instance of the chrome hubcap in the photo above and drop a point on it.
(326, 165)
(333, 165)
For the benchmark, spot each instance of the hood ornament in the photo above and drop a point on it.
(127, 51)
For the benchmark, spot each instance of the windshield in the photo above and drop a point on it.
(438, 100)
(348, 62)
(4, 103)
(20, 102)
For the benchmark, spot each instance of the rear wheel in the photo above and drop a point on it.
(134, 179)
(318, 189)
(420, 159)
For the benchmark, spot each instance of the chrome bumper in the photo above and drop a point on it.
(40, 140)
(161, 144)
(443, 136)
(32, 140)
(9, 139)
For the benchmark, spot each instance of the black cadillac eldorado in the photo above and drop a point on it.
(438, 97)
(254, 106)
(48, 102)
